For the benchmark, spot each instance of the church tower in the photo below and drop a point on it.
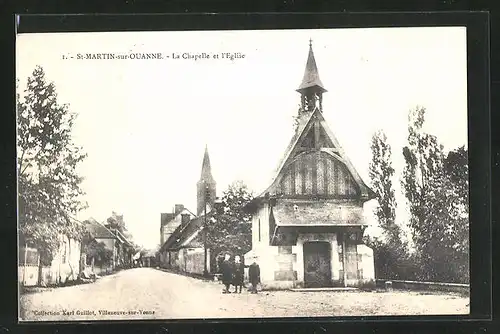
(311, 89)
(206, 186)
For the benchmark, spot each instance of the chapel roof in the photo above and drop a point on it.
(301, 132)
(311, 75)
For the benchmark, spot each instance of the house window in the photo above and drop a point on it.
(259, 229)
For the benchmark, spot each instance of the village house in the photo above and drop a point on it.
(307, 226)
(170, 222)
(183, 247)
(124, 250)
(114, 241)
(64, 266)
(149, 259)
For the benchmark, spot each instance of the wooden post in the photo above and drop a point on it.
(344, 259)
(24, 266)
(205, 260)
(38, 264)
(205, 271)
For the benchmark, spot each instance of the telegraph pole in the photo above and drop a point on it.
(206, 197)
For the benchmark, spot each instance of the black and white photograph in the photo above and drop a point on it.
(242, 174)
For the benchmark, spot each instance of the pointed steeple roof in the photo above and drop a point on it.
(206, 170)
(311, 75)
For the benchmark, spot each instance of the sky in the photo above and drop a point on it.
(144, 123)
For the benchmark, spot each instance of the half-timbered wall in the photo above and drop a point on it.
(317, 173)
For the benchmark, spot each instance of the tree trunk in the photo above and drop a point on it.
(24, 264)
(40, 267)
(82, 258)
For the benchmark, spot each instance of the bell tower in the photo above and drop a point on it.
(311, 89)
(206, 186)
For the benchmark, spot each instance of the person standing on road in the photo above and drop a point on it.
(254, 276)
(239, 274)
(227, 273)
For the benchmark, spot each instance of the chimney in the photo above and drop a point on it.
(185, 218)
(178, 209)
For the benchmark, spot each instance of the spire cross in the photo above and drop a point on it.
(310, 42)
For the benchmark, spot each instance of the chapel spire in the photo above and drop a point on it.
(311, 89)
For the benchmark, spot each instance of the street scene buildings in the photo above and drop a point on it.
(323, 236)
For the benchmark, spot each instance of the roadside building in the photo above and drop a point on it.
(183, 248)
(307, 226)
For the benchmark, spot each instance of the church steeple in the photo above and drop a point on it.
(206, 186)
(206, 170)
(311, 89)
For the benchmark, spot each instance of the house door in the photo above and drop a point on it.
(317, 270)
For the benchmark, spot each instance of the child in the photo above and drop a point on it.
(239, 273)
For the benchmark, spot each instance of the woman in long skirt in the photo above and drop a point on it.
(227, 273)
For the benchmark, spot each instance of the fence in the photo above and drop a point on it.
(194, 263)
(429, 286)
(29, 261)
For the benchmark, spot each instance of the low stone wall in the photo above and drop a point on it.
(28, 275)
(426, 286)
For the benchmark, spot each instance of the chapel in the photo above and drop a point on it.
(307, 226)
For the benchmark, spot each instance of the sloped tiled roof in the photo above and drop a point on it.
(184, 233)
(168, 217)
(121, 237)
(97, 230)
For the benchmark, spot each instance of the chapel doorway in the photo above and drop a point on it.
(317, 268)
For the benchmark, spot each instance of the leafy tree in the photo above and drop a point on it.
(116, 222)
(49, 185)
(229, 227)
(450, 209)
(381, 173)
(97, 253)
(457, 168)
(423, 170)
(436, 187)
(390, 253)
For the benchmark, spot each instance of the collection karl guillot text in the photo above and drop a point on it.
(92, 313)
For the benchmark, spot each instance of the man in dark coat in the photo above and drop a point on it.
(227, 273)
(254, 276)
(239, 274)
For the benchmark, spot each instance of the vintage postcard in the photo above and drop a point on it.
(242, 174)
